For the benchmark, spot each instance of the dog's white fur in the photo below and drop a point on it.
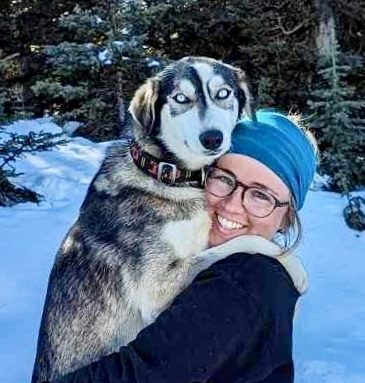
(183, 140)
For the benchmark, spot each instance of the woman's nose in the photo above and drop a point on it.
(233, 203)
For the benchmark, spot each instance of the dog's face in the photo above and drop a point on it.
(191, 107)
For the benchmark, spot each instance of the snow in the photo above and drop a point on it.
(153, 63)
(104, 57)
(120, 44)
(71, 126)
(45, 125)
(330, 329)
(98, 20)
(329, 337)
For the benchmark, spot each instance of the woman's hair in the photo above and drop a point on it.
(290, 235)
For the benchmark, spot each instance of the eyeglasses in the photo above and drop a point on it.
(256, 201)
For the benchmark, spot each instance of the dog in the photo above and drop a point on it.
(142, 233)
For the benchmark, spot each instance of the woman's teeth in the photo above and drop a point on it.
(229, 225)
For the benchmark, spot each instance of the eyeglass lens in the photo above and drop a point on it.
(256, 201)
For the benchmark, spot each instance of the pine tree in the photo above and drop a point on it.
(72, 69)
(2, 91)
(12, 147)
(354, 213)
(274, 41)
(12, 104)
(339, 129)
(93, 73)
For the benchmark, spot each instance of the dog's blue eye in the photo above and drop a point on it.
(181, 98)
(223, 94)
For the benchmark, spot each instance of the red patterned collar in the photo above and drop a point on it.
(165, 172)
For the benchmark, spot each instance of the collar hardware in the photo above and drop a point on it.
(166, 172)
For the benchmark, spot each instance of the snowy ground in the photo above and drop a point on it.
(330, 327)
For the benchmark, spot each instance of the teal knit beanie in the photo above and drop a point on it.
(277, 142)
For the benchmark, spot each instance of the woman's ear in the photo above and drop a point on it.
(143, 104)
(286, 222)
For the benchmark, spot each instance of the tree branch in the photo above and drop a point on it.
(288, 32)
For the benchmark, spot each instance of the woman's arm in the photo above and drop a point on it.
(234, 321)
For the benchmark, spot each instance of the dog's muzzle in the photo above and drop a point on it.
(211, 139)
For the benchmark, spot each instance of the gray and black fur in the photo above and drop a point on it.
(137, 242)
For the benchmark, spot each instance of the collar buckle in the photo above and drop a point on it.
(166, 173)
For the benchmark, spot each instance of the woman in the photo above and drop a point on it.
(234, 322)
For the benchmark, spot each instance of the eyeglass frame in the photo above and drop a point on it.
(245, 188)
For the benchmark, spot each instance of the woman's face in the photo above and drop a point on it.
(224, 211)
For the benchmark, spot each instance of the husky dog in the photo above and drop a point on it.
(142, 232)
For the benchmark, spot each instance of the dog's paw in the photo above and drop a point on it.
(251, 244)
(296, 270)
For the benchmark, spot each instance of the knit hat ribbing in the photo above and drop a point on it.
(277, 142)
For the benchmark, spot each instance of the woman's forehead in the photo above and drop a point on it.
(250, 171)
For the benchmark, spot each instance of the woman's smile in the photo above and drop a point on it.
(225, 228)
(228, 224)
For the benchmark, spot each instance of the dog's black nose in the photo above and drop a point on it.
(211, 139)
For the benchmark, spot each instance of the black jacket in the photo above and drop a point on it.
(232, 324)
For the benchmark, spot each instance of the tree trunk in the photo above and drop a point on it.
(326, 35)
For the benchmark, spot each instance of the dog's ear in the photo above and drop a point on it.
(245, 97)
(143, 104)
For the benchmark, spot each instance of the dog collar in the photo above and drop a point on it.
(165, 172)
